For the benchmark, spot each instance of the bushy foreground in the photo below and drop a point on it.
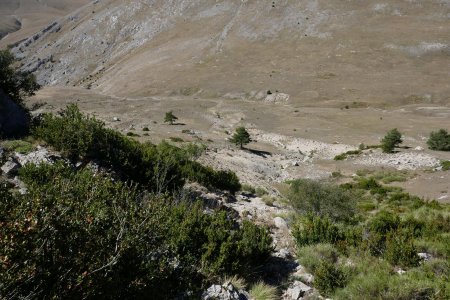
(77, 235)
(159, 168)
(362, 252)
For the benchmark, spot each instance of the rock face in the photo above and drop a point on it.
(41, 155)
(10, 168)
(106, 41)
(297, 291)
(13, 119)
(224, 292)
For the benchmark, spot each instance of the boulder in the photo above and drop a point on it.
(224, 292)
(424, 256)
(39, 156)
(10, 168)
(298, 290)
(280, 223)
(283, 253)
(277, 97)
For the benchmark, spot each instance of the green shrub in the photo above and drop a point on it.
(368, 184)
(384, 222)
(445, 165)
(341, 156)
(268, 200)
(260, 192)
(354, 152)
(159, 168)
(75, 235)
(315, 229)
(145, 129)
(19, 146)
(369, 281)
(439, 140)
(311, 256)
(132, 134)
(400, 249)
(176, 139)
(194, 151)
(248, 188)
(72, 132)
(329, 277)
(323, 199)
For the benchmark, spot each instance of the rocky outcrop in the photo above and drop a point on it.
(37, 157)
(298, 290)
(224, 292)
(10, 167)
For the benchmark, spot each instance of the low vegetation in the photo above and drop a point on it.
(355, 236)
(345, 155)
(321, 199)
(118, 233)
(439, 140)
(263, 291)
(445, 165)
(159, 168)
(19, 146)
(77, 235)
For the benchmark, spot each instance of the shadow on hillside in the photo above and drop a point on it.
(276, 271)
(259, 152)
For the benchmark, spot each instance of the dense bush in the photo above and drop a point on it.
(75, 235)
(359, 257)
(392, 139)
(158, 168)
(315, 229)
(384, 222)
(373, 279)
(400, 249)
(322, 199)
(312, 256)
(439, 140)
(329, 277)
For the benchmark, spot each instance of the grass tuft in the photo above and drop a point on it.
(262, 291)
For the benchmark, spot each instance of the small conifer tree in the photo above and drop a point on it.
(241, 137)
(439, 140)
(392, 139)
(170, 118)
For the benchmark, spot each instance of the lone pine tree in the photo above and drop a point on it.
(170, 118)
(241, 137)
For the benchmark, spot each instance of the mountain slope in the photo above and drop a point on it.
(390, 53)
(22, 18)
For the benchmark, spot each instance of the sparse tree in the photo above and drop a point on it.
(14, 83)
(170, 118)
(241, 137)
(15, 86)
(439, 140)
(392, 139)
